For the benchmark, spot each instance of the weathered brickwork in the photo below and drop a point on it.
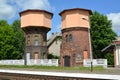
(75, 36)
(35, 24)
(76, 47)
(32, 34)
(9, 76)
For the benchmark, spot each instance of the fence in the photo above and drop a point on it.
(95, 62)
(41, 62)
(53, 62)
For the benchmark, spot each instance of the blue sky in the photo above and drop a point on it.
(9, 9)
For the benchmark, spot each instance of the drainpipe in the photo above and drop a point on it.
(91, 58)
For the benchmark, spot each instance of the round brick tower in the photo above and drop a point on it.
(36, 24)
(75, 36)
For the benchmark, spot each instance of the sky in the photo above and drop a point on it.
(9, 9)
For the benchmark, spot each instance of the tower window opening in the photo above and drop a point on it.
(70, 37)
(36, 42)
(67, 38)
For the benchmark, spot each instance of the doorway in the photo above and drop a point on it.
(67, 61)
(36, 55)
(85, 54)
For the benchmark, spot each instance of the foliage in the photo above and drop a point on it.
(3, 23)
(51, 56)
(11, 40)
(19, 37)
(59, 38)
(110, 58)
(6, 41)
(101, 33)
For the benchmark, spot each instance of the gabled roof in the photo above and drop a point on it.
(111, 46)
(108, 48)
(53, 38)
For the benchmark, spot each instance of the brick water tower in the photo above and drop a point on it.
(76, 43)
(36, 24)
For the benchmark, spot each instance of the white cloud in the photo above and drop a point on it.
(115, 17)
(34, 4)
(6, 11)
(8, 8)
(59, 26)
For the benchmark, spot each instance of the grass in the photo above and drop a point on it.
(96, 70)
(49, 67)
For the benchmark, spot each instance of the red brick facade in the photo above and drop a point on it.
(75, 36)
(74, 42)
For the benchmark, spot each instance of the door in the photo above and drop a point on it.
(27, 56)
(85, 54)
(36, 55)
(67, 61)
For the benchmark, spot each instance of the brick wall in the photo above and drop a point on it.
(76, 47)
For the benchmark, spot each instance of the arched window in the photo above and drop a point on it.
(67, 38)
(70, 37)
(36, 42)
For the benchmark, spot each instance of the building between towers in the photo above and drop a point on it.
(76, 43)
(35, 24)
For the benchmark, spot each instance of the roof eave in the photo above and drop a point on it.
(90, 12)
(35, 10)
(107, 47)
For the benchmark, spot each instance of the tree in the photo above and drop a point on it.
(101, 33)
(51, 56)
(3, 23)
(7, 49)
(19, 37)
(110, 58)
(11, 40)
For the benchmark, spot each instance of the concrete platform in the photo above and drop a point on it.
(64, 74)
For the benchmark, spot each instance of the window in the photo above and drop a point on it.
(36, 42)
(67, 38)
(70, 37)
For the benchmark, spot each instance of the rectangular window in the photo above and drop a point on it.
(36, 42)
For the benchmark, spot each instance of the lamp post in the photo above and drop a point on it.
(91, 58)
